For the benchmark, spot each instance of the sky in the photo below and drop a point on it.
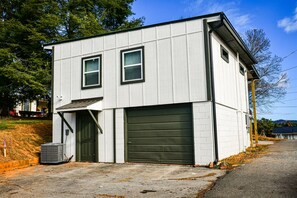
(278, 19)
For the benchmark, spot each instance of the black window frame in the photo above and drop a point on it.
(241, 69)
(224, 54)
(99, 56)
(122, 52)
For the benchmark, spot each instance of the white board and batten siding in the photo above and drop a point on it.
(174, 72)
(231, 101)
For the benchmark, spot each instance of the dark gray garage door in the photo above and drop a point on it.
(160, 134)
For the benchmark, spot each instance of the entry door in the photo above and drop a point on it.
(86, 137)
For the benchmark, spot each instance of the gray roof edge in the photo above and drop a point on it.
(137, 28)
(242, 43)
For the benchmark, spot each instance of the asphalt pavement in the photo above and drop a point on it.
(273, 175)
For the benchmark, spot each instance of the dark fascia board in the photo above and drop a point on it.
(238, 37)
(219, 26)
(138, 28)
(232, 30)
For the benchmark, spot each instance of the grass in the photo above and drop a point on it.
(243, 157)
(23, 138)
(264, 138)
(11, 123)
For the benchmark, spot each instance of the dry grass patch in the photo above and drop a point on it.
(23, 138)
(243, 157)
(264, 138)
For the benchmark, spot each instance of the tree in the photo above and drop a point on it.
(25, 69)
(265, 126)
(272, 84)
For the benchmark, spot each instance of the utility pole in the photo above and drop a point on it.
(254, 111)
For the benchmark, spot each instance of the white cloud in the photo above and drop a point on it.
(289, 23)
(240, 20)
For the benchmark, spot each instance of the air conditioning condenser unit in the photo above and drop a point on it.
(52, 153)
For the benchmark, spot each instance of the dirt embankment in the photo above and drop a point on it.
(23, 141)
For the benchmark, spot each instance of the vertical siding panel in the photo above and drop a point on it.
(136, 96)
(172, 65)
(57, 51)
(135, 37)
(108, 131)
(123, 92)
(151, 75)
(56, 131)
(87, 46)
(181, 83)
(109, 79)
(163, 32)
(109, 42)
(196, 67)
(66, 81)
(149, 34)
(76, 48)
(57, 85)
(178, 29)
(120, 137)
(122, 40)
(98, 44)
(70, 140)
(102, 138)
(76, 77)
(165, 73)
(65, 50)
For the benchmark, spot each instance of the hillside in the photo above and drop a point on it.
(23, 138)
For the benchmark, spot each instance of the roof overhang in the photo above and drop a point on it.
(93, 104)
(224, 29)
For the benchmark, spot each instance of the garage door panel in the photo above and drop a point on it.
(160, 119)
(161, 141)
(160, 111)
(160, 126)
(158, 148)
(160, 134)
(162, 157)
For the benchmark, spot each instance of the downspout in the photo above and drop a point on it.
(210, 79)
(114, 136)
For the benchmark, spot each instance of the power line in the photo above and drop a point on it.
(288, 100)
(289, 68)
(289, 54)
(291, 92)
(285, 106)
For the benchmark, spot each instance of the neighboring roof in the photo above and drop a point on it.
(83, 104)
(221, 25)
(285, 130)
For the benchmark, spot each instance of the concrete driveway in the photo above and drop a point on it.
(107, 180)
(273, 175)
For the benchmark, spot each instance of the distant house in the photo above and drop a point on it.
(27, 108)
(174, 92)
(285, 133)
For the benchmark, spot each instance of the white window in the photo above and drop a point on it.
(91, 72)
(132, 65)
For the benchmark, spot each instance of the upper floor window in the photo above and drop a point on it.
(241, 69)
(224, 54)
(91, 72)
(132, 65)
